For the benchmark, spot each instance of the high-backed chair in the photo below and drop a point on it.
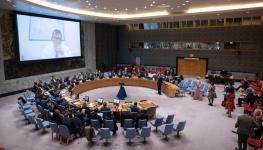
(32, 120)
(54, 129)
(157, 122)
(142, 123)
(166, 130)
(179, 127)
(105, 133)
(169, 119)
(128, 123)
(145, 132)
(42, 124)
(64, 133)
(150, 113)
(95, 123)
(130, 133)
(109, 124)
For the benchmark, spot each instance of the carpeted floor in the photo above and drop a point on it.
(207, 128)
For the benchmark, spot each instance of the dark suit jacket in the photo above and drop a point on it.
(245, 125)
(160, 81)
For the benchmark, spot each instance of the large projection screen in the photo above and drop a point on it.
(42, 38)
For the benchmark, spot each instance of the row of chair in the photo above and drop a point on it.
(190, 86)
(167, 125)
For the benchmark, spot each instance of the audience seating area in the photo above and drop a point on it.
(105, 132)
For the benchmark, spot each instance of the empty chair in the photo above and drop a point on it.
(64, 133)
(150, 113)
(32, 120)
(145, 132)
(109, 124)
(157, 122)
(169, 119)
(23, 106)
(95, 123)
(130, 133)
(54, 129)
(28, 113)
(142, 123)
(42, 123)
(105, 133)
(179, 127)
(128, 123)
(204, 89)
(167, 129)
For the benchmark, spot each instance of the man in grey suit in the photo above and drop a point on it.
(245, 126)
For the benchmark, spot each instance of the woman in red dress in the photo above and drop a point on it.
(230, 102)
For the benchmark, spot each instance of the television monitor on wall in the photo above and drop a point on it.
(42, 38)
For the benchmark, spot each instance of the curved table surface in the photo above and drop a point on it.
(169, 89)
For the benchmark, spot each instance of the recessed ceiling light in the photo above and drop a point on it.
(104, 8)
(153, 2)
(151, 5)
(89, 4)
(183, 4)
(96, 6)
(126, 9)
(178, 6)
(136, 8)
(187, 1)
(115, 9)
(67, 9)
(87, 1)
(145, 6)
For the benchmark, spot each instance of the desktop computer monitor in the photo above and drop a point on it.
(100, 100)
(101, 115)
(116, 101)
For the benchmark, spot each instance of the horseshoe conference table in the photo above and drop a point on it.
(169, 89)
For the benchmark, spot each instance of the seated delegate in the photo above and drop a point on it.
(134, 107)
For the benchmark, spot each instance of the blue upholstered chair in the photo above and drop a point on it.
(169, 119)
(167, 129)
(145, 132)
(157, 122)
(109, 124)
(42, 124)
(105, 133)
(130, 133)
(95, 123)
(32, 120)
(150, 113)
(142, 123)
(128, 123)
(64, 133)
(179, 127)
(54, 129)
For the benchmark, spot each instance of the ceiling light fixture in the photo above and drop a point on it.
(224, 7)
(94, 13)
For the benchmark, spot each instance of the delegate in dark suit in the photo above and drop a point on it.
(245, 125)
(159, 85)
